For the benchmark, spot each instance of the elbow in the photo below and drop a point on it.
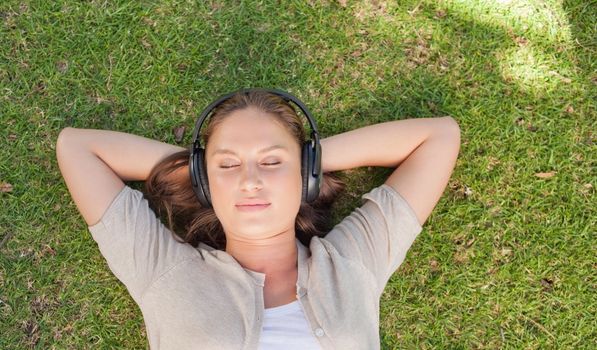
(450, 128)
(64, 138)
(61, 139)
(449, 132)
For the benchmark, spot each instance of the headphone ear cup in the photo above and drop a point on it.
(198, 180)
(195, 181)
(305, 170)
(203, 181)
(311, 183)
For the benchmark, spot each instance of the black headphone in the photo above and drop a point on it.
(311, 152)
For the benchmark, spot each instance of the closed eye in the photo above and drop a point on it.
(233, 166)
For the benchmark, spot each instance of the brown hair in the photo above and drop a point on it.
(169, 192)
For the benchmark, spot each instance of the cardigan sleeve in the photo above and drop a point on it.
(378, 234)
(137, 247)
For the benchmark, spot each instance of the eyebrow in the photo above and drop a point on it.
(266, 149)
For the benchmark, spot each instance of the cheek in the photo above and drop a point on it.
(286, 178)
(221, 190)
(291, 187)
(220, 181)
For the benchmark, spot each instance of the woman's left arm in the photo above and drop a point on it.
(423, 151)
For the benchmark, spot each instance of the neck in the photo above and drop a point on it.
(272, 256)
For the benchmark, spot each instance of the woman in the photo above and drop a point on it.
(259, 269)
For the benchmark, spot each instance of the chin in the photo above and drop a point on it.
(259, 231)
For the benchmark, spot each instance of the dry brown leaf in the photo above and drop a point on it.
(492, 162)
(5, 187)
(434, 265)
(461, 256)
(521, 41)
(564, 79)
(547, 284)
(62, 66)
(179, 133)
(495, 211)
(48, 250)
(586, 189)
(145, 43)
(546, 175)
(149, 21)
(415, 9)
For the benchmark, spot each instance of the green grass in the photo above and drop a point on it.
(506, 260)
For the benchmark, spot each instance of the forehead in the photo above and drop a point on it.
(250, 130)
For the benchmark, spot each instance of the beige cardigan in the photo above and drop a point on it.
(201, 298)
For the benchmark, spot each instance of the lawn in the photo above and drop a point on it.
(506, 259)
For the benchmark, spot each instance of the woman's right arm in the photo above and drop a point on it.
(95, 163)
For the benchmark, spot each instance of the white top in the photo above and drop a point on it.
(285, 327)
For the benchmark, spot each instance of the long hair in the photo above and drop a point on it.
(169, 193)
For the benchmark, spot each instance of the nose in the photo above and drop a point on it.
(251, 179)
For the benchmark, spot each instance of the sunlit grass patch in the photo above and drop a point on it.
(537, 19)
(532, 69)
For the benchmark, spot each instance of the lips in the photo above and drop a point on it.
(252, 207)
(251, 203)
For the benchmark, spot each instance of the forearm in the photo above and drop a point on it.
(384, 144)
(130, 156)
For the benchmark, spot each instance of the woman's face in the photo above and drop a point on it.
(242, 169)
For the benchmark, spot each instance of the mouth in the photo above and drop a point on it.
(252, 207)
